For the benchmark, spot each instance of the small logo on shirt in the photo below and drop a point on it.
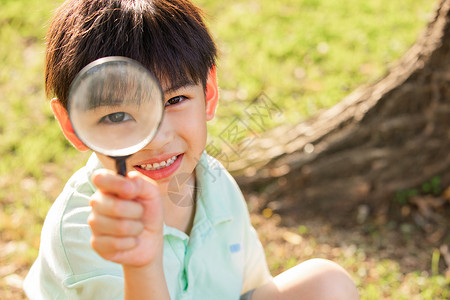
(235, 248)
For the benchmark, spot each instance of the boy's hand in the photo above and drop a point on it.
(126, 219)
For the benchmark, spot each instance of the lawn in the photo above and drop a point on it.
(305, 55)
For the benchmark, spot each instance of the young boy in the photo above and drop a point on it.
(114, 237)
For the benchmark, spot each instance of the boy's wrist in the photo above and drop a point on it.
(145, 282)
(152, 268)
(155, 266)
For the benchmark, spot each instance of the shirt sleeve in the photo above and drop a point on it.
(256, 271)
(67, 267)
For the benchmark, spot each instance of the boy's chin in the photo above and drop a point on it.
(178, 188)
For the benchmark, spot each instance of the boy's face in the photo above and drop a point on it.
(180, 140)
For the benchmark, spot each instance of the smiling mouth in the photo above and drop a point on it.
(159, 165)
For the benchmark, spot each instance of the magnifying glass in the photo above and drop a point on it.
(115, 106)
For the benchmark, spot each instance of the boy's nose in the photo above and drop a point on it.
(163, 136)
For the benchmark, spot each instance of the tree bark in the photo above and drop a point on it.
(391, 136)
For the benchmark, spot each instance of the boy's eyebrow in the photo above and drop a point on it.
(95, 103)
(179, 85)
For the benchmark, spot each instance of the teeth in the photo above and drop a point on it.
(157, 166)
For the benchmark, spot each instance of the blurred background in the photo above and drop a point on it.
(304, 55)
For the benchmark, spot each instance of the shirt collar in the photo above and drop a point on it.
(211, 193)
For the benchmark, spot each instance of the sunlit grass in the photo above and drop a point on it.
(307, 54)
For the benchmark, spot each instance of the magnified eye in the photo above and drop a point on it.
(116, 118)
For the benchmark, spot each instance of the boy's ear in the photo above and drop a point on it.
(212, 94)
(64, 122)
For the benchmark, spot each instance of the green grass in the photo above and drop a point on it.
(305, 55)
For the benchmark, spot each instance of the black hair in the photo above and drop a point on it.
(167, 37)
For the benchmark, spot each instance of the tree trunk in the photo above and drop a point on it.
(391, 136)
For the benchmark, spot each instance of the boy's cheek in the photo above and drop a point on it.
(107, 162)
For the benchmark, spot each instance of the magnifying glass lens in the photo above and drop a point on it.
(115, 106)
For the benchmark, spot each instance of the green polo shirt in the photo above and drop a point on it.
(222, 258)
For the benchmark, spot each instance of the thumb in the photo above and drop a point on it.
(148, 195)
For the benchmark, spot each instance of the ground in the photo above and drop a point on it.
(382, 253)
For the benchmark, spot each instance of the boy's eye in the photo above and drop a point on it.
(175, 100)
(116, 118)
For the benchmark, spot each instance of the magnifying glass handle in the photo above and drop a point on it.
(121, 165)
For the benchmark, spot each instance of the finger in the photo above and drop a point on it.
(107, 245)
(102, 225)
(111, 206)
(150, 198)
(109, 182)
(144, 187)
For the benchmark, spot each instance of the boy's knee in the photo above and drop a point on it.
(315, 279)
(329, 280)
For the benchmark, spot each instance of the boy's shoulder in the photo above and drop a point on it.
(81, 180)
(217, 189)
(210, 173)
(72, 205)
(65, 242)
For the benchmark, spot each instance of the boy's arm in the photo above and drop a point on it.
(150, 277)
(127, 228)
